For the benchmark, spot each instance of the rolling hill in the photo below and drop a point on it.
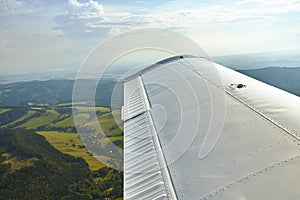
(284, 78)
(30, 168)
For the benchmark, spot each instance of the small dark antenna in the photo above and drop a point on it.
(241, 86)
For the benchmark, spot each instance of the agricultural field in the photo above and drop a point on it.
(56, 124)
(69, 121)
(105, 141)
(44, 119)
(69, 143)
(83, 109)
(3, 110)
(109, 123)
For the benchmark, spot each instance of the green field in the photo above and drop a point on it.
(69, 143)
(45, 118)
(57, 126)
(90, 109)
(105, 141)
(37, 117)
(65, 123)
(3, 110)
(108, 123)
(69, 104)
(82, 118)
(28, 114)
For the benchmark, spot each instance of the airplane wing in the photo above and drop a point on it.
(194, 129)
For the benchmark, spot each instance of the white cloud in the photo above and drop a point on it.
(74, 3)
(175, 15)
(3, 45)
(265, 7)
(15, 7)
(88, 10)
(241, 23)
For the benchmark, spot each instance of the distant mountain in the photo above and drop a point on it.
(259, 60)
(284, 78)
(53, 92)
(280, 69)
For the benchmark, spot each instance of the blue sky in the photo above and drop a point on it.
(43, 34)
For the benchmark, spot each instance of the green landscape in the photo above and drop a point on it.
(33, 169)
(41, 154)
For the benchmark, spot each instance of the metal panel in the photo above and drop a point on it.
(256, 156)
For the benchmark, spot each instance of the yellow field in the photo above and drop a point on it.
(69, 143)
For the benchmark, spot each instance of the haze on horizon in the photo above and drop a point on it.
(38, 35)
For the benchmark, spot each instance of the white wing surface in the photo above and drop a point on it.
(194, 129)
